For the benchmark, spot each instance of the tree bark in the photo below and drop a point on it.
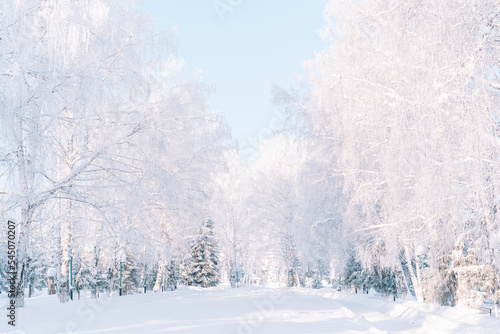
(95, 272)
(65, 258)
(159, 276)
(21, 259)
(414, 279)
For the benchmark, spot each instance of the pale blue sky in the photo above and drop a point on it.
(241, 48)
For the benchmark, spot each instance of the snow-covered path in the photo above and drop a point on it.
(246, 310)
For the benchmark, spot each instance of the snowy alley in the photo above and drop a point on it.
(247, 310)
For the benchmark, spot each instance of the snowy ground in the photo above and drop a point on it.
(244, 310)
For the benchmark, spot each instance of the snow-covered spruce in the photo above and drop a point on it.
(203, 270)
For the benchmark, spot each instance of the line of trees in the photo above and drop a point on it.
(386, 174)
(404, 106)
(106, 147)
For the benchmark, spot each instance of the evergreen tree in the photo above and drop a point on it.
(354, 274)
(204, 270)
(172, 275)
(131, 275)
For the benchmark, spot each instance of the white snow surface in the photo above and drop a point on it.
(244, 310)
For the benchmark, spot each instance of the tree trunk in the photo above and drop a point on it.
(21, 263)
(403, 274)
(65, 258)
(159, 278)
(414, 279)
(51, 288)
(95, 271)
(93, 290)
(26, 217)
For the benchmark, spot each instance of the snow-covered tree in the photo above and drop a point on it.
(405, 100)
(87, 96)
(235, 234)
(204, 268)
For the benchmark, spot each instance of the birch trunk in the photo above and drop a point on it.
(65, 256)
(21, 259)
(414, 278)
(95, 269)
(26, 217)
